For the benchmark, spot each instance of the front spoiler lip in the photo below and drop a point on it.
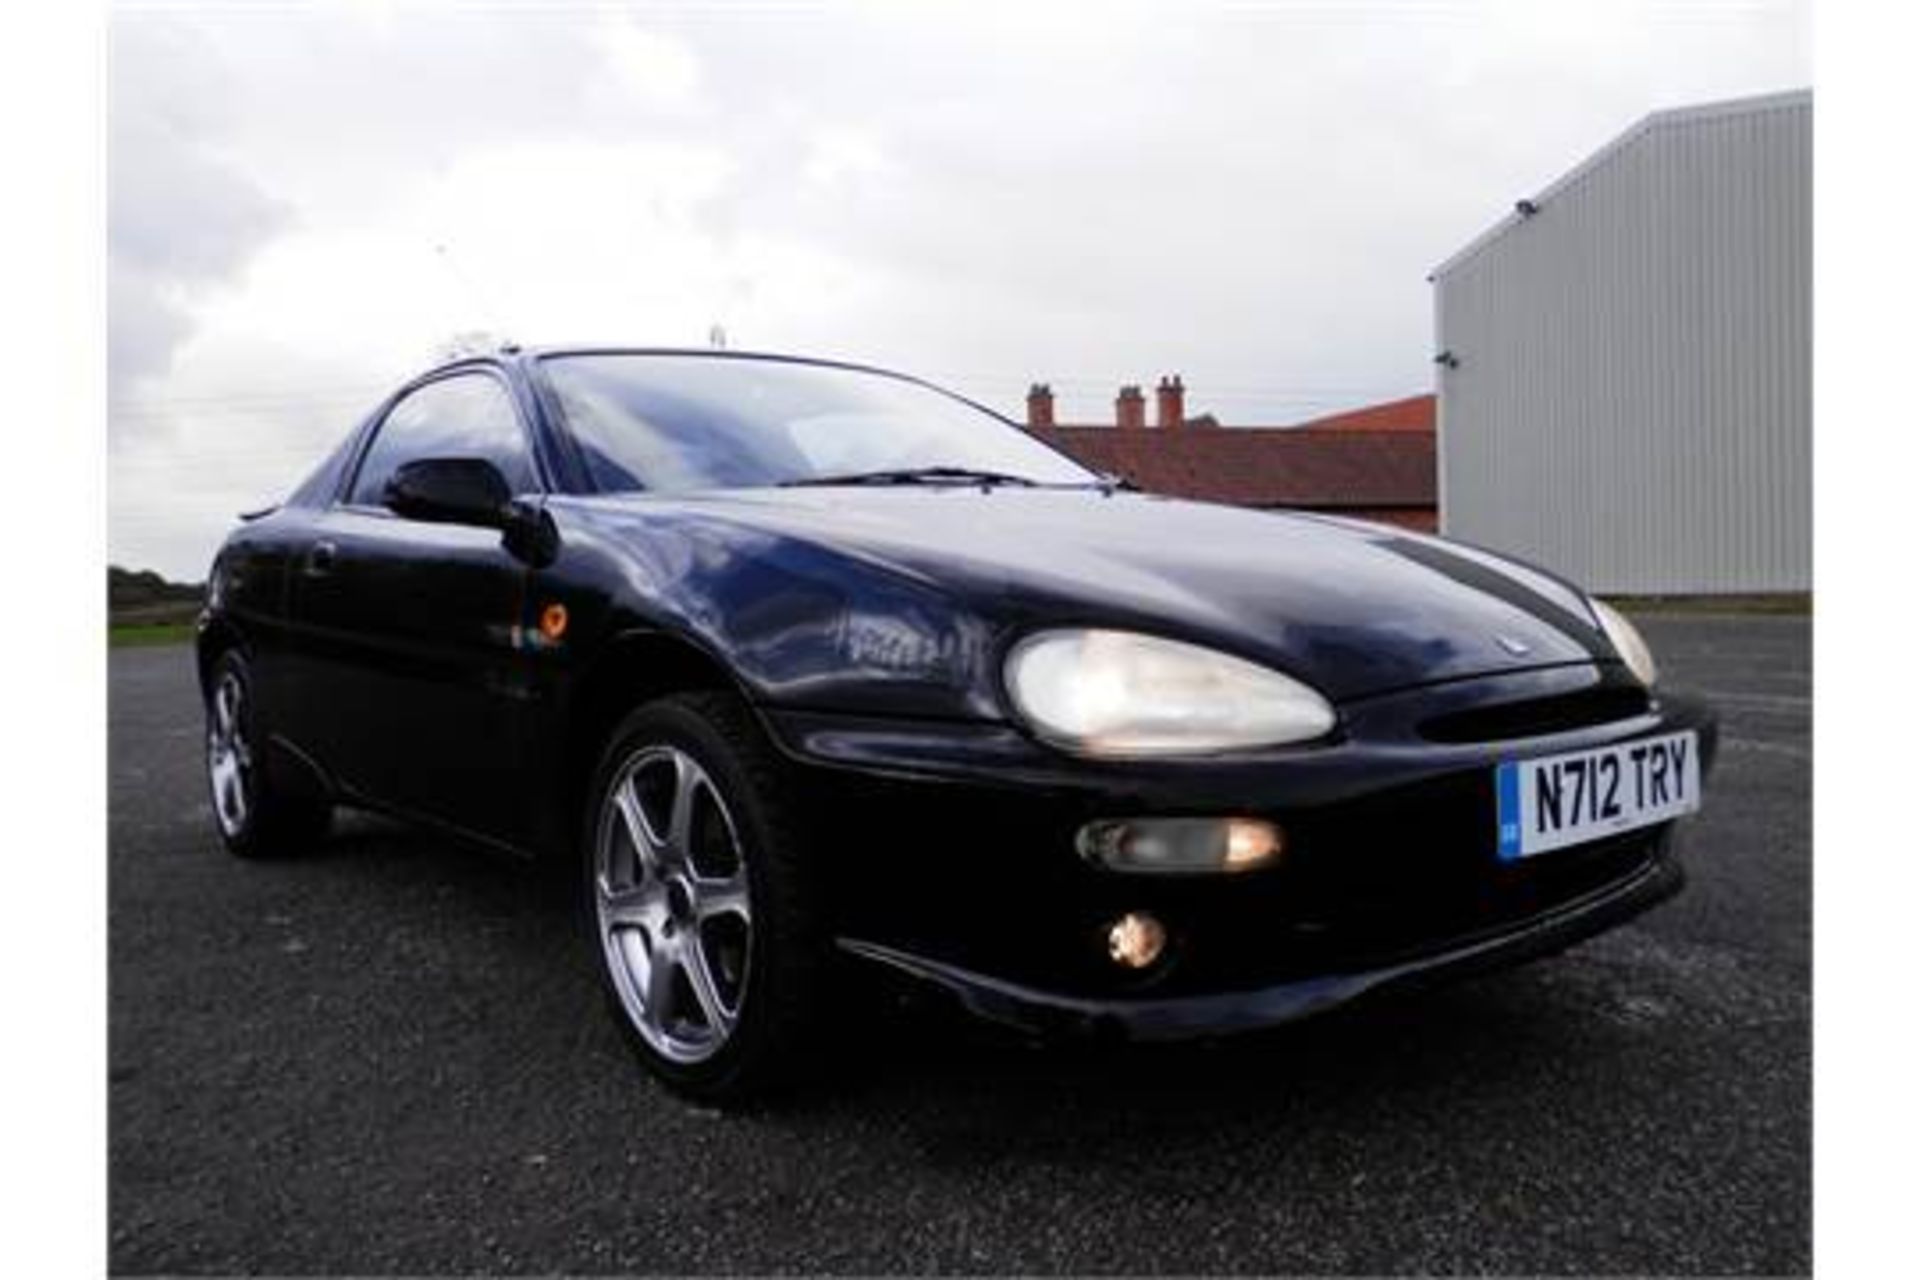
(1182, 1017)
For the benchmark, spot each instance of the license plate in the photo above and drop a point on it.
(1568, 799)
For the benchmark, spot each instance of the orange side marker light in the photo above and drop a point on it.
(553, 621)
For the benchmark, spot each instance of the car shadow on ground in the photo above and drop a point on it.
(987, 1094)
(991, 1097)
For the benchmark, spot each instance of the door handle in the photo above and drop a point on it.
(320, 559)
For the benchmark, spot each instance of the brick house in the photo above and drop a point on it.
(1373, 463)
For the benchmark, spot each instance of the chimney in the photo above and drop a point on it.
(1039, 405)
(1170, 403)
(1130, 409)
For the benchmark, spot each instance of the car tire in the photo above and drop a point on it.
(255, 816)
(701, 911)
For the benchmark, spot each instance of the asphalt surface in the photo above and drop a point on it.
(390, 1056)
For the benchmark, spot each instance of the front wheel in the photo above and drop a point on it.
(702, 912)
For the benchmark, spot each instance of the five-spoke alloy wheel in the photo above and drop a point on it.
(229, 757)
(255, 815)
(699, 900)
(674, 903)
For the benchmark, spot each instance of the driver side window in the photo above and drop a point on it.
(464, 416)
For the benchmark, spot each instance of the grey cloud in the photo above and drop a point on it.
(1248, 194)
(181, 220)
(1252, 194)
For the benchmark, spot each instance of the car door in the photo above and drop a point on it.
(412, 630)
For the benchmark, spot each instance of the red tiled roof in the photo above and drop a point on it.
(1332, 464)
(1415, 413)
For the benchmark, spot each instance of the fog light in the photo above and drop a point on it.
(1181, 846)
(1136, 940)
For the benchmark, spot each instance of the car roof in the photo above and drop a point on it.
(515, 353)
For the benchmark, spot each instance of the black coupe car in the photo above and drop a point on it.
(808, 665)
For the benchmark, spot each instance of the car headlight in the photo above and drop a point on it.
(1117, 693)
(1628, 642)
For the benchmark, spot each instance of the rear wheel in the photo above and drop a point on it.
(701, 911)
(255, 817)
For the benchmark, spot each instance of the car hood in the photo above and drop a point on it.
(1355, 609)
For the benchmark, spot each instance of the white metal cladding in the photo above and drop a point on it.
(1632, 402)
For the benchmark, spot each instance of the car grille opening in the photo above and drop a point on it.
(1533, 717)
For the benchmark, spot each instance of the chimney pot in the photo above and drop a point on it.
(1170, 403)
(1040, 405)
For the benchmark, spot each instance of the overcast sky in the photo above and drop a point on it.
(307, 203)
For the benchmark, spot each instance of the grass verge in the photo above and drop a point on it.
(146, 633)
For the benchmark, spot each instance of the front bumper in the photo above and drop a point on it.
(1179, 1017)
(952, 856)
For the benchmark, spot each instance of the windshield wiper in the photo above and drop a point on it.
(915, 475)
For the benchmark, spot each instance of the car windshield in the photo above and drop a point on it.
(672, 423)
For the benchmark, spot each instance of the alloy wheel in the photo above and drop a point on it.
(229, 757)
(673, 903)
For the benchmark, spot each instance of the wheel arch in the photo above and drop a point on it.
(217, 634)
(635, 667)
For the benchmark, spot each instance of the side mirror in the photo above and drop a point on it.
(451, 491)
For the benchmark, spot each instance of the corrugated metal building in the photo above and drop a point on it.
(1625, 361)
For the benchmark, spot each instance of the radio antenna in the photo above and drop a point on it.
(475, 297)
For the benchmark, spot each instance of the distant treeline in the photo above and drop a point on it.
(143, 596)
